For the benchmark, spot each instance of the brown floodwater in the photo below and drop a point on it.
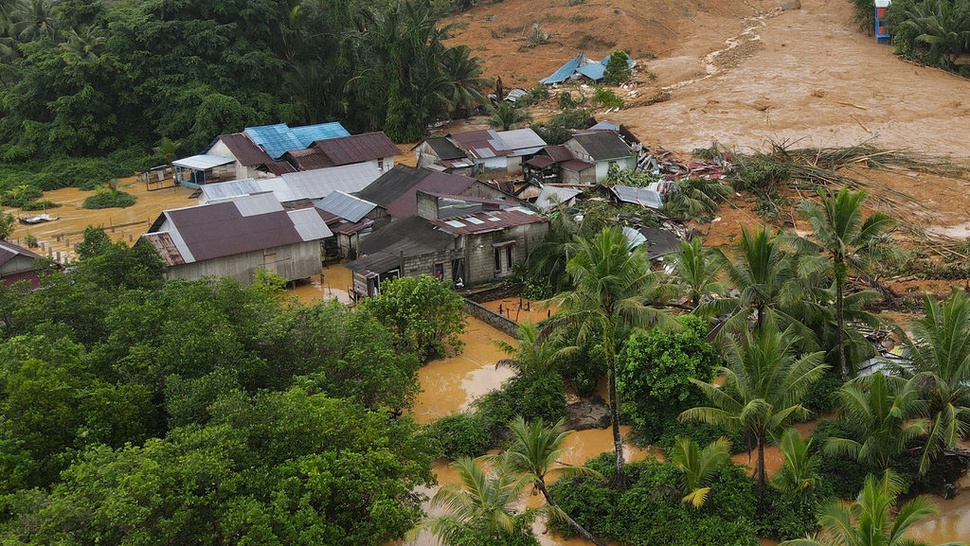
(521, 309)
(127, 224)
(335, 283)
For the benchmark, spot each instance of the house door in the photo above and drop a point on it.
(458, 273)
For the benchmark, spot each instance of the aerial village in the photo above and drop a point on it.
(656, 389)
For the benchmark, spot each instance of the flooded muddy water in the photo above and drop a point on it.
(521, 309)
(127, 224)
(336, 283)
(952, 520)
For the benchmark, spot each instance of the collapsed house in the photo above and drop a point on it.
(484, 151)
(578, 67)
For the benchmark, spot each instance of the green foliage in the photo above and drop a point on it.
(789, 516)
(424, 314)
(933, 32)
(840, 474)
(566, 101)
(269, 282)
(650, 511)
(460, 435)
(584, 367)
(617, 68)
(534, 95)
(698, 467)
(605, 98)
(18, 196)
(872, 519)
(695, 199)
(540, 397)
(760, 175)
(821, 396)
(346, 471)
(8, 223)
(557, 129)
(109, 199)
(654, 370)
(628, 177)
(507, 115)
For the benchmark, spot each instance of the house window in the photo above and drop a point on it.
(380, 164)
(505, 247)
(508, 256)
(498, 259)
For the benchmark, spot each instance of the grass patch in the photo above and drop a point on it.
(107, 200)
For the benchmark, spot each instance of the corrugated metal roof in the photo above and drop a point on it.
(639, 196)
(308, 159)
(295, 186)
(357, 148)
(280, 167)
(223, 229)
(319, 183)
(9, 251)
(165, 247)
(518, 139)
(280, 138)
(482, 222)
(565, 71)
(660, 242)
(577, 165)
(202, 162)
(550, 196)
(444, 149)
(309, 224)
(438, 182)
(603, 145)
(488, 143)
(381, 251)
(345, 206)
(244, 150)
(259, 203)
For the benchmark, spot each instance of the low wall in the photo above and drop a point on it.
(491, 318)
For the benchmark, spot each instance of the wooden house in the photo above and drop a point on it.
(235, 238)
(603, 149)
(19, 264)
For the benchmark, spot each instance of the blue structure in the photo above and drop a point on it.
(280, 138)
(580, 64)
(882, 30)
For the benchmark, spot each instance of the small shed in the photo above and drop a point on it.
(200, 169)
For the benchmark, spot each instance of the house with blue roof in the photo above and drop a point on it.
(257, 152)
(580, 65)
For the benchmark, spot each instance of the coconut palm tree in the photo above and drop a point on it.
(698, 466)
(535, 453)
(696, 271)
(613, 288)
(764, 276)
(869, 521)
(799, 472)
(506, 115)
(847, 240)
(764, 383)
(482, 503)
(940, 353)
(533, 356)
(878, 413)
(463, 74)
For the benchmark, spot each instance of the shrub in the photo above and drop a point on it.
(650, 511)
(459, 435)
(557, 129)
(584, 368)
(788, 516)
(109, 199)
(842, 476)
(606, 98)
(43, 204)
(654, 372)
(820, 397)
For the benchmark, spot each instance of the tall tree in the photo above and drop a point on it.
(940, 352)
(879, 413)
(847, 240)
(764, 383)
(696, 271)
(613, 288)
(870, 520)
(799, 471)
(534, 355)
(765, 277)
(535, 453)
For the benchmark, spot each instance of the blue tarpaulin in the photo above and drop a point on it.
(583, 65)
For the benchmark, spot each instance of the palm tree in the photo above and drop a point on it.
(481, 503)
(463, 74)
(533, 356)
(765, 278)
(763, 386)
(612, 289)
(507, 116)
(696, 271)
(698, 466)
(869, 521)
(695, 198)
(940, 353)
(848, 242)
(942, 26)
(535, 453)
(878, 412)
(799, 471)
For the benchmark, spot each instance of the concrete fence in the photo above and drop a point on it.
(491, 318)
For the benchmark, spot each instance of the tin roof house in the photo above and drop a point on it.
(257, 151)
(19, 264)
(235, 238)
(483, 151)
(374, 148)
(296, 187)
(603, 149)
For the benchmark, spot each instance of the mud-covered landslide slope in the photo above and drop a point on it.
(504, 34)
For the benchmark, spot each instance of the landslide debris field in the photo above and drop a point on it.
(747, 74)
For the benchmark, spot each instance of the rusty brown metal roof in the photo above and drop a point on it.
(9, 251)
(280, 167)
(308, 159)
(244, 150)
(165, 247)
(357, 148)
(484, 222)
